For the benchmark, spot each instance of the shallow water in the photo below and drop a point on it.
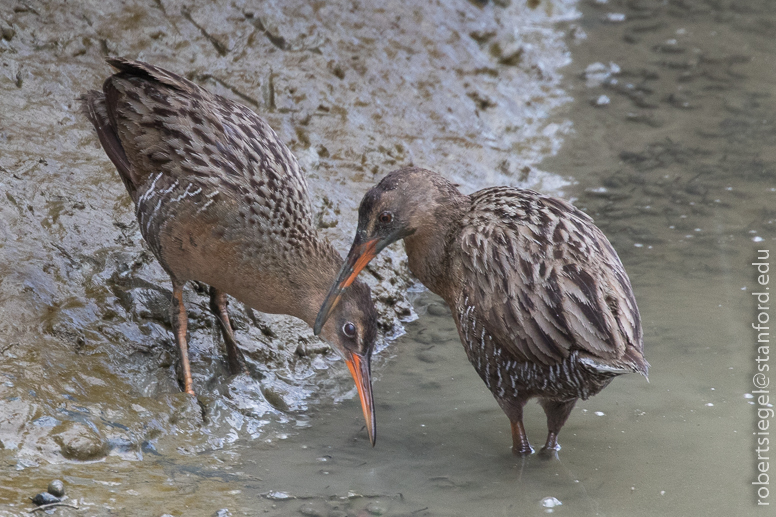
(677, 168)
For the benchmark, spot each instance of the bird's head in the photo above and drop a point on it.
(352, 330)
(390, 211)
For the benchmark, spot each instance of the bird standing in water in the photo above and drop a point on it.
(542, 303)
(221, 200)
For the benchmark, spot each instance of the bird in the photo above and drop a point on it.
(221, 200)
(542, 303)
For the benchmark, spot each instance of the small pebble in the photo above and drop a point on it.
(79, 442)
(56, 488)
(8, 33)
(551, 502)
(279, 496)
(614, 17)
(308, 510)
(45, 498)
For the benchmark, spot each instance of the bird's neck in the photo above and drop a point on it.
(311, 278)
(297, 286)
(429, 246)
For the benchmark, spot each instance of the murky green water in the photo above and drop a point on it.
(668, 142)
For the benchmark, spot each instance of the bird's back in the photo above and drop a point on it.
(183, 152)
(544, 286)
(212, 184)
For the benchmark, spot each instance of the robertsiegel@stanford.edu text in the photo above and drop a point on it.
(761, 379)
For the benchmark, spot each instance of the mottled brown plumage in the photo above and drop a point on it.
(542, 303)
(221, 200)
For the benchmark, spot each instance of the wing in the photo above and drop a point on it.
(165, 123)
(544, 281)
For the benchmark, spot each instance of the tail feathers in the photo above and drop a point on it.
(154, 73)
(635, 357)
(631, 362)
(101, 110)
(94, 107)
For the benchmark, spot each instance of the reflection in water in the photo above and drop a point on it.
(672, 152)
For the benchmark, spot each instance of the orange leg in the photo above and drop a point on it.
(520, 445)
(180, 322)
(234, 356)
(557, 413)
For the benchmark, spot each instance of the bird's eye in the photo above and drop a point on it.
(386, 217)
(349, 329)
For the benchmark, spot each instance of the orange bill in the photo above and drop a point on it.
(360, 370)
(358, 258)
(365, 254)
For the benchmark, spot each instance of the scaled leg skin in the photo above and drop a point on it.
(514, 411)
(234, 356)
(520, 445)
(180, 323)
(557, 412)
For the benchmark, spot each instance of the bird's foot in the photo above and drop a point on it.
(523, 449)
(186, 383)
(549, 454)
(552, 446)
(520, 445)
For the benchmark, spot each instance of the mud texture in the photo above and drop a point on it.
(354, 88)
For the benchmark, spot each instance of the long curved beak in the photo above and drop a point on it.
(359, 256)
(360, 369)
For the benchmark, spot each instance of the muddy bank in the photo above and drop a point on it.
(668, 143)
(355, 89)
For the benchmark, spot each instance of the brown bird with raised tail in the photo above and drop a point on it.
(221, 200)
(542, 303)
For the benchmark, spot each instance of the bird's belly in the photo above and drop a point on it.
(197, 250)
(509, 378)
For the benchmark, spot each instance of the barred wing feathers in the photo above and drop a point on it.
(544, 282)
(169, 124)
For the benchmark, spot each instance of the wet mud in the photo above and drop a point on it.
(654, 117)
(87, 379)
